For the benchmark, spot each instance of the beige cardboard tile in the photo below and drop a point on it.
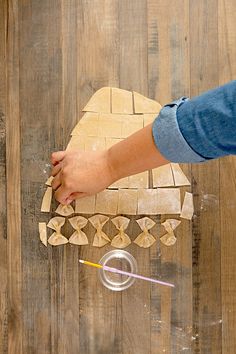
(143, 104)
(100, 101)
(43, 233)
(187, 208)
(76, 142)
(109, 129)
(162, 176)
(139, 180)
(128, 202)
(85, 205)
(122, 101)
(107, 202)
(131, 125)
(147, 201)
(93, 143)
(112, 117)
(46, 202)
(86, 129)
(179, 177)
(168, 201)
(88, 125)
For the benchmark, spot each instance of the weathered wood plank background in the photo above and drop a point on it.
(53, 56)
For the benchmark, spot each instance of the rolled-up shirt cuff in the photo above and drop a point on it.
(168, 137)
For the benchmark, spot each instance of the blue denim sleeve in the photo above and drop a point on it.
(199, 129)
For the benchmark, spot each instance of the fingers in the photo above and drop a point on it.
(56, 181)
(57, 157)
(74, 196)
(56, 169)
(62, 194)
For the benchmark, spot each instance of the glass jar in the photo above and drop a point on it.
(122, 260)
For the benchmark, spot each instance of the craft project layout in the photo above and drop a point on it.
(111, 115)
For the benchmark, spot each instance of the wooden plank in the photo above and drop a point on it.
(228, 277)
(64, 263)
(168, 78)
(133, 49)
(65, 308)
(98, 66)
(70, 51)
(3, 213)
(227, 72)
(206, 225)
(40, 82)
(15, 325)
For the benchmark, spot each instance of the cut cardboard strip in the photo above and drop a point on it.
(122, 101)
(143, 104)
(162, 176)
(188, 207)
(179, 177)
(43, 233)
(49, 181)
(100, 101)
(127, 202)
(46, 202)
(85, 205)
(107, 202)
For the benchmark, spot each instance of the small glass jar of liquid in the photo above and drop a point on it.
(118, 259)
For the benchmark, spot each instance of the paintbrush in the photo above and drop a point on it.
(133, 275)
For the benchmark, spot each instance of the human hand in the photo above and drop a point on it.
(78, 174)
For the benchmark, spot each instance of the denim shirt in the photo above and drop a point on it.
(198, 129)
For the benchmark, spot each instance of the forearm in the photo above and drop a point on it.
(135, 154)
(198, 129)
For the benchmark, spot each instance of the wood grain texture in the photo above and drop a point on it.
(13, 174)
(3, 212)
(206, 225)
(40, 82)
(134, 76)
(99, 309)
(227, 72)
(169, 35)
(58, 54)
